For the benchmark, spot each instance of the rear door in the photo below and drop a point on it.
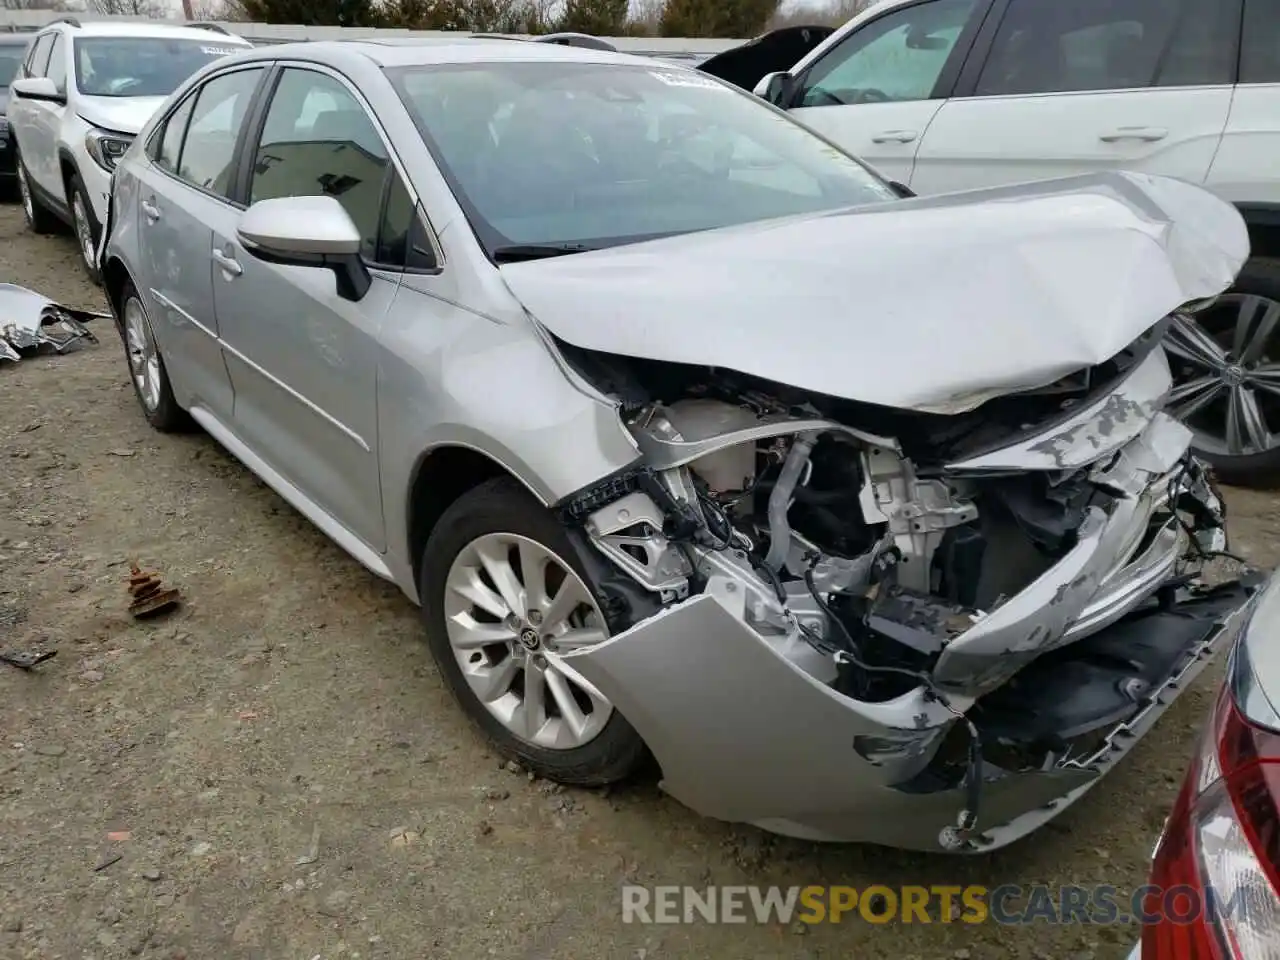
(185, 189)
(876, 90)
(1245, 169)
(1054, 89)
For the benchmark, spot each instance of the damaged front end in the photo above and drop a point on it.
(927, 631)
(31, 324)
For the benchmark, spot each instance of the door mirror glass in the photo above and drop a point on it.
(307, 232)
(774, 87)
(37, 88)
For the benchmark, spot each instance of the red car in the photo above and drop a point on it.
(1215, 875)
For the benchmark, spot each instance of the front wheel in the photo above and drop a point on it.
(504, 597)
(1226, 367)
(86, 227)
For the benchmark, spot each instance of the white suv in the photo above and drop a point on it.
(80, 97)
(947, 95)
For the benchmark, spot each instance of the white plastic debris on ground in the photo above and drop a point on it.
(31, 324)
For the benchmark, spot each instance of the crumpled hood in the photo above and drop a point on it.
(934, 304)
(119, 114)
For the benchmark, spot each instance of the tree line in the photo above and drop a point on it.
(607, 18)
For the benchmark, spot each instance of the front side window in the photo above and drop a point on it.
(209, 147)
(898, 57)
(319, 141)
(57, 69)
(595, 155)
(1110, 45)
(141, 66)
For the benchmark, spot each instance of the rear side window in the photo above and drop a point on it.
(1089, 45)
(209, 148)
(1260, 56)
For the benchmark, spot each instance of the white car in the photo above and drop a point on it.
(949, 95)
(80, 97)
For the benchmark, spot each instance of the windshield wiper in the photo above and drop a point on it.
(516, 252)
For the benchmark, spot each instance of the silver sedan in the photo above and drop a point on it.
(690, 434)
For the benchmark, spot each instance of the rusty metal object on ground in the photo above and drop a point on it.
(150, 596)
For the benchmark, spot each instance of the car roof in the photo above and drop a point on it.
(430, 51)
(106, 28)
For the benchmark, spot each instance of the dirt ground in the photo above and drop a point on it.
(159, 783)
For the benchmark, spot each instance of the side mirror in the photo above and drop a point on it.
(774, 87)
(37, 88)
(307, 232)
(901, 189)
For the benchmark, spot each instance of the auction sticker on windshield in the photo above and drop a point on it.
(219, 51)
(686, 80)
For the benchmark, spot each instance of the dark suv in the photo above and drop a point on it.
(13, 48)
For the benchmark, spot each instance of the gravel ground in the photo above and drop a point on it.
(159, 783)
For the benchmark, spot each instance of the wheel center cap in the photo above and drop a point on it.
(1233, 374)
(529, 639)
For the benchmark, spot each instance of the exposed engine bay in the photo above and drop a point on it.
(884, 552)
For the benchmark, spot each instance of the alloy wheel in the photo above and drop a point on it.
(144, 360)
(513, 608)
(84, 232)
(1227, 376)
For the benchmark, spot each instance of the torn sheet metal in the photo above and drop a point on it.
(32, 324)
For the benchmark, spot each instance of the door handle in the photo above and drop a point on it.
(228, 263)
(1146, 134)
(150, 211)
(895, 136)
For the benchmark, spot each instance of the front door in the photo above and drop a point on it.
(303, 360)
(876, 92)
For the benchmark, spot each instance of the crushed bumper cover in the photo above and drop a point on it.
(32, 324)
(743, 735)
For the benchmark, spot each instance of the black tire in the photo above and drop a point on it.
(40, 219)
(502, 505)
(1260, 277)
(166, 416)
(76, 193)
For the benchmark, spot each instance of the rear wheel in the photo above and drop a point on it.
(146, 367)
(40, 219)
(1226, 365)
(504, 597)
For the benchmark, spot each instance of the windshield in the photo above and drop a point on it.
(581, 155)
(141, 66)
(10, 59)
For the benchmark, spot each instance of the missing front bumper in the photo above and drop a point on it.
(744, 735)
